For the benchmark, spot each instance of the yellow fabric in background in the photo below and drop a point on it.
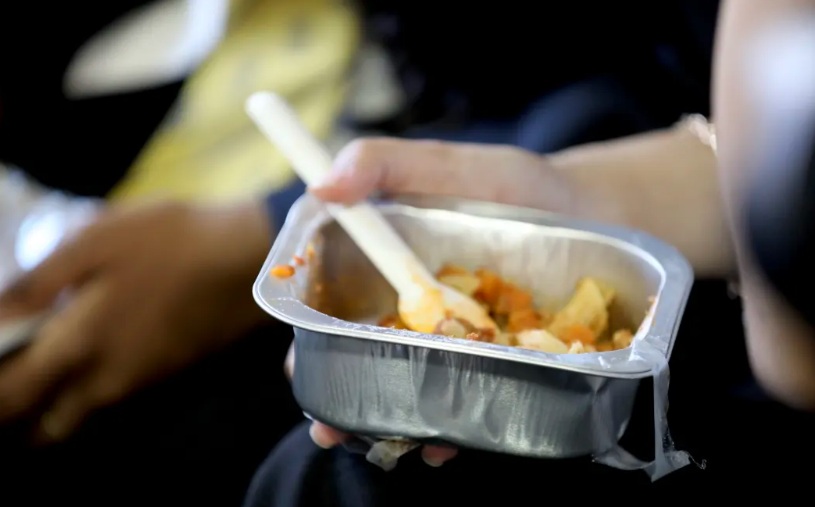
(208, 149)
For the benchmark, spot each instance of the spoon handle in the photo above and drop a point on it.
(364, 224)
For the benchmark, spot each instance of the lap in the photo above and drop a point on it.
(297, 473)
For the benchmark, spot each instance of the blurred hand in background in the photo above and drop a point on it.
(138, 294)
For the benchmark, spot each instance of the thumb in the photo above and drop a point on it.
(420, 167)
(68, 265)
(326, 437)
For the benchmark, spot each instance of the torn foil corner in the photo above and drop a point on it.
(386, 453)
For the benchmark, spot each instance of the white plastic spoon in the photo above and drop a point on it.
(423, 301)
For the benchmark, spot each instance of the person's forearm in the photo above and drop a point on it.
(780, 344)
(663, 183)
(243, 235)
(247, 231)
(239, 238)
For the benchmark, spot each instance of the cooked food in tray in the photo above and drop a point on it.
(582, 325)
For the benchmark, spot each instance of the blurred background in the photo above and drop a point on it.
(104, 103)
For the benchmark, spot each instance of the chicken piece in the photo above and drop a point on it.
(459, 278)
(489, 288)
(587, 307)
(512, 299)
(466, 283)
(540, 339)
(521, 320)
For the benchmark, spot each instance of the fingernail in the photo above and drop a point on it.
(331, 179)
(315, 438)
(314, 190)
(432, 462)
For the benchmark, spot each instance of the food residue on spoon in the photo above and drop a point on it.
(430, 302)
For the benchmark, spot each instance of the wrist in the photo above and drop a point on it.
(238, 237)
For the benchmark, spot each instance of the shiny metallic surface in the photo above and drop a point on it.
(387, 383)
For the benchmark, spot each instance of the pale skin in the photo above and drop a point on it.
(93, 353)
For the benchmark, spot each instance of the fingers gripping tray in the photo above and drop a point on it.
(389, 383)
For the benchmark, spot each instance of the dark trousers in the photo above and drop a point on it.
(716, 411)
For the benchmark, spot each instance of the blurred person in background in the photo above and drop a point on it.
(140, 103)
(679, 183)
